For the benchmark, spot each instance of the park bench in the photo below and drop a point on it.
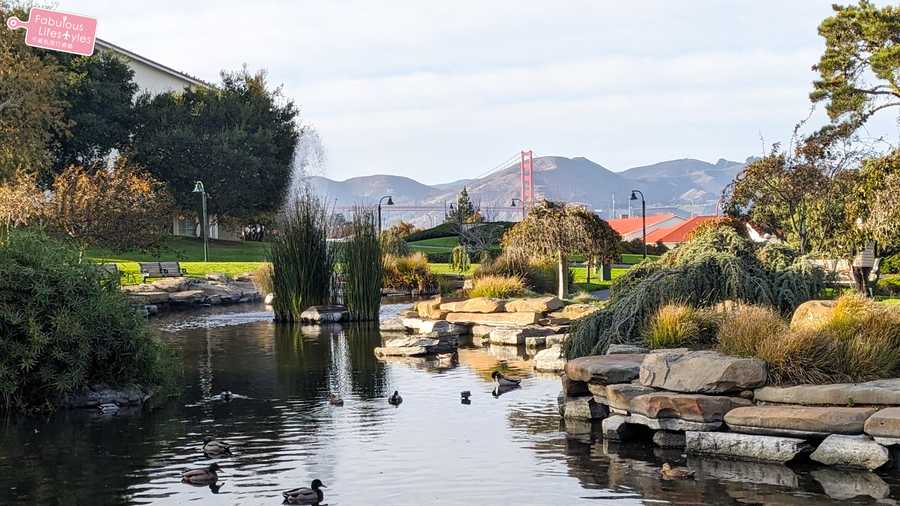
(161, 269)
(112, 270)
(839, 273)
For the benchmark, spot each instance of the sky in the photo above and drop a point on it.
(440, 91)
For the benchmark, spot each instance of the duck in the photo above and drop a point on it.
(226, 395)
(214, 447)
(675, 473)
(304, 495)
(502, 381)
(335, 400)
(202, 476)
(109, 408)
(465, 394)
(395, 399)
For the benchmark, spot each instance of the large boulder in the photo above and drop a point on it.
(414, 346)
(878, 392)
(625, 349)
(324, 314)
(851, 451)
(812, 314)
(694, 407)
(534, 305)
(584, 408)
(884, 423)
(615, 428)
(187, 297)
(605, 369)
(799, 421)
(550, 360)
(707, 372)
(178, 284)
(745, 446)
(143, 297)
(430, 309)
(674, 424)
(619, 396)
(516, 335)
(476, 305)
(574, 312)
(495, 319)
(668, 439)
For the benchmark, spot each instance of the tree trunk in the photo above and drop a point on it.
(563, 275)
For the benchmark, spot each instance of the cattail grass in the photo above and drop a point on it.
(302, 262)
(362, 267)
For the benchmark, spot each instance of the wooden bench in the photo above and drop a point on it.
(161, 269)
(839, 272)
(111, 270)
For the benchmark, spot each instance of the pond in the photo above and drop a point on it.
(432, 449)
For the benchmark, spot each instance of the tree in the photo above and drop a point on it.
(21, 202)
(238, 138)
(464, 211)
(861, 42)
(559, 230)
(121, 209)
(99, 91)
(31, 107)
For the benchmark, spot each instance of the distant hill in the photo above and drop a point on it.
(672, 183)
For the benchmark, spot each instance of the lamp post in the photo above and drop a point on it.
(643, 216)
(513, 204)
(199, 188)
(390, 202)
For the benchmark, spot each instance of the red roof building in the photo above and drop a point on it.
(677, 234)
(632, 228)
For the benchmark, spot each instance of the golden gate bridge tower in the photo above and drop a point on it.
(526, 167)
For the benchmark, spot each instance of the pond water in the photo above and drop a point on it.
(432, 449)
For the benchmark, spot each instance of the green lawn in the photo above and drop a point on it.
(226, 257)
(632, 258)
(891, 301)
(444, 269)
(596, 283)
(436, 245)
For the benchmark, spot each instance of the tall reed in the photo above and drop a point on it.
(362, 266)
(302, 262)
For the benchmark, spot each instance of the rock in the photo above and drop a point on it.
(96, 395)
(178, 284)
(745, 446)
(605, 369)
(535, 341)
(845, 484)
(676, 424)
(431, 309)
(812, 314)
(693, 407)
(187, 297)
(798, 421)
(625, 349)
(573, 388)
(482, 330)
(619, 396)
(437, 328)
(144, 298)
(598, 391)
(495, 319)
(584, 408)
(878, 392)
(574, 311)
(324, 314)
(760, 473)
(615, 428)
(270, 298)
(556, 339)
(550, 360)
(706, 372)
(851, 451)
(668, 439)
(476, 305)
(152, 309)
(534, 305)
(413, 346)
(217, 276)
(515, 335)
(884, 423)
(391, 325)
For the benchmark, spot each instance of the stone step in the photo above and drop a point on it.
(704, 372)
(851, 451)
(745, 446)
(605, 369)
(692, 407)
(801, 421)
(878, 392)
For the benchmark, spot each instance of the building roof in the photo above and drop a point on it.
(677, 233)
(158, 66)
(625, 226)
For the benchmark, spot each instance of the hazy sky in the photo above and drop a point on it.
(439, 91)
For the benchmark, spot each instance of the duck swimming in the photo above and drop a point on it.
(304, 495)
(214, 447)
(335, 400)
(395, 399)
(202, 476)
(502, 381)
(675, 473)
(226, 395)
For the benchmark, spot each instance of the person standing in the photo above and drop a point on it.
(863, 263)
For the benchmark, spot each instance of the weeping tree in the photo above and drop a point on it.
(362, 266)
(302, 262)
(718, 263)
(554, 229)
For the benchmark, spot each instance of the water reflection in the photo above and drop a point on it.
(435, 449)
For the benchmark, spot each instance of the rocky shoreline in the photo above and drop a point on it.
(166, 294)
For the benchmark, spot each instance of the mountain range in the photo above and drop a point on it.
(688, 185)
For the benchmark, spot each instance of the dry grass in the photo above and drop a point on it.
(262, 278)
(677, 325)
(498, 287)
(409, 272)
(744, 328)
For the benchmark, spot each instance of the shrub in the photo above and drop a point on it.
(743, 329)
(65, 325)
(409, 272)
(262, 278)
(891, 264)
(443, 230)
(539, 275)
(439, 257)
(302, 262)
(498, 287)
(393, 244)
(677, 325)
(362, 267)
(460, 259)
(889, 285)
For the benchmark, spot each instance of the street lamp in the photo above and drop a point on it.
(513, 204)
(198, 188)
(643, 216)
(390, 202)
